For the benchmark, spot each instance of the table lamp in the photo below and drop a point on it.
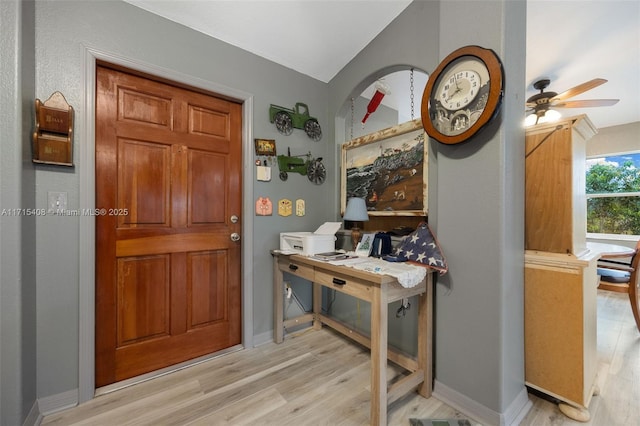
(356, 211)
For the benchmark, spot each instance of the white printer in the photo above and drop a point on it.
(322, 240)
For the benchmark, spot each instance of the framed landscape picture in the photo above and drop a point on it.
(388, 169)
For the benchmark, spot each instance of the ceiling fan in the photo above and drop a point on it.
(541, 103)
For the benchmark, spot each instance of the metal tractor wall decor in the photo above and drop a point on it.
(312, 167)
(286, 119)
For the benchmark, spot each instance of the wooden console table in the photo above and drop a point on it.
(379, 290)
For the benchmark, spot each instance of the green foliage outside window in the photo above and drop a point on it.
(614, 214)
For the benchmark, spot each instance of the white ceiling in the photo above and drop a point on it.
(569, 42)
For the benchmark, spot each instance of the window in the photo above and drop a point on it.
(613, 194)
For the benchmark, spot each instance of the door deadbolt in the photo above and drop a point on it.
(234, 219)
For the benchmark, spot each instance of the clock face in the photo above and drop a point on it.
(462, 94)
(459, 89)
(459, 95)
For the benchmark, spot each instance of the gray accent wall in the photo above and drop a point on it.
(475, 198)
(120, 29)
(17, 230)
(476, 202)
(620, 139)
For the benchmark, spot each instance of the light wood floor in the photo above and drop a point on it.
(320, 378)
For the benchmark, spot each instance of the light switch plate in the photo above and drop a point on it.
(57, 201)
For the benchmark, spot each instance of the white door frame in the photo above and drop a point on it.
(87, 173)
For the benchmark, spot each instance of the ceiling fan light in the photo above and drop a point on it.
(530, 120)
(548, 116)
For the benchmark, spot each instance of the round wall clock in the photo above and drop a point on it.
(462, 95)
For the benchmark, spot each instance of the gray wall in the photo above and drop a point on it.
(476, 197)
(122, 30)
(480, 213)
(476, 189)
(17, 232)
(615, 140)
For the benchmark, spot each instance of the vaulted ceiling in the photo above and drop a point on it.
(569, 42)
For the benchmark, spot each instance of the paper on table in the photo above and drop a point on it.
(350, 261)
(328, 228)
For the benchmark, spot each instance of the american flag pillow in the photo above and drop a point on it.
(422, 246)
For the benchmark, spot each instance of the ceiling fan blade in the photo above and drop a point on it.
(580, 88)
(586, 103)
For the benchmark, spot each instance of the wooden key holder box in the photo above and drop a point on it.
(53, 135)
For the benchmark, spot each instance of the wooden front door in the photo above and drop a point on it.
(168, 192)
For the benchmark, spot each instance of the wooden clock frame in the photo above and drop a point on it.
(494, 100)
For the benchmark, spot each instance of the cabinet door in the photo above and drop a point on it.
(555, 202)
(560, 331)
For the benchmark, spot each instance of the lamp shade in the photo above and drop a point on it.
(356, 210)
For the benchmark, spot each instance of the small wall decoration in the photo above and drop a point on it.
(264, 207)
(388, 169)
(285, 207)
(382, 89)
(53, 135)
(265, 147)
(263, 173)
(286, 119)
(300, 208)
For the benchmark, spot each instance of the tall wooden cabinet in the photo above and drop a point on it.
(556, 203)
(560, 272)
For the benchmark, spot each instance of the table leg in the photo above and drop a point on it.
(379, 355)
(278, 302)
(317, 306)
(425, 337)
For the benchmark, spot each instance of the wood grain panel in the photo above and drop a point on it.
(549, 222)
(204, 121)
(555, 202)
(206, 281)
(144, 183)
(554, 331)
(207, 174)
(143, 298)
(178, 242)
(144, 108)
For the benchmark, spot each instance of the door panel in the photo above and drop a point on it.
(144, 181)
(207, 172)
(206, 272)
(143, 298)
(168, 166)
(144, 108)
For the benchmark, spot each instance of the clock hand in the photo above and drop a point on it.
(455, 92)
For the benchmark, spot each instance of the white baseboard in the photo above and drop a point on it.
(513, 415)
(54, 403)
(34, 418)
(262, 338)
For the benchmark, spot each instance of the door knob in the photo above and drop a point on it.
(235, 237)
